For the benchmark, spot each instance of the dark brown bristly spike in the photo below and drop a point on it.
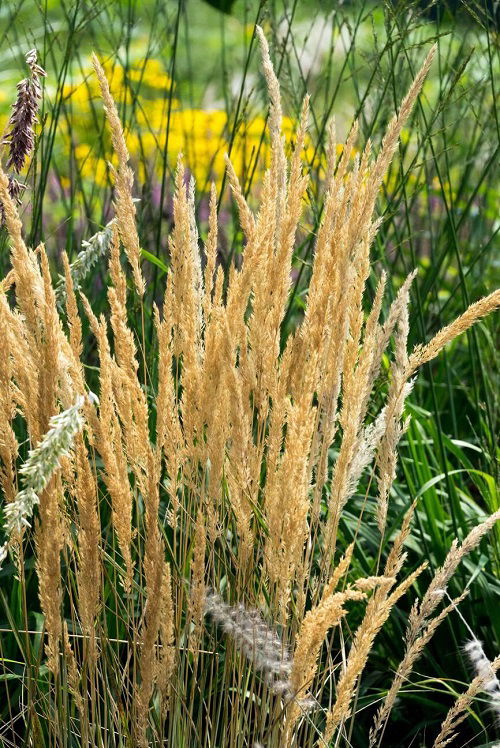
(20, 136)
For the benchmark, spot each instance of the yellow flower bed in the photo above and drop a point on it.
(203, 136)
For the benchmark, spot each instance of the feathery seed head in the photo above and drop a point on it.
(41, 464)
(93, 250)
(255, 639)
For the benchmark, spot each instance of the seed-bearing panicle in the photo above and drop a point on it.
(49, 543)
(154, 572)
(211, 254)
(255, 639)
(21, 136)
(424, 354)
(166, 661)
(484, 681)
(124, 179)
(89, 567)
(399, 390)
(437, 587)
(41, 464)
(317, 622)
(25, 272)
(278, 161)
(390, 141)
(93, 250)
(8, 441)
(109, 442)
(247, 218)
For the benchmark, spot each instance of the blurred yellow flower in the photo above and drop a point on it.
(142, 94)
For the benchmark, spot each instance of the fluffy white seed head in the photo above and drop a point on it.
(482, 667)
(258, 642)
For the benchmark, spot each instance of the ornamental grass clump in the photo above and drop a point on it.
(189, 551)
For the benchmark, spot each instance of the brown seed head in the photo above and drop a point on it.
(20, 136)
